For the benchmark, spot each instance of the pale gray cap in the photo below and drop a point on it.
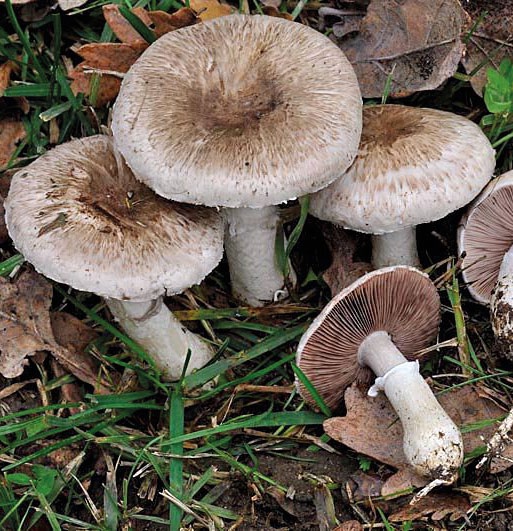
(80, 217)
(414, 165)
(485, 235)
(239, 111)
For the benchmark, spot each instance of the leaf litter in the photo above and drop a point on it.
(111, 60)
(25, 330)
(490, 39)
(417, 43)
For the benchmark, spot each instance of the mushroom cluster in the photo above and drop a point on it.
(244, 113)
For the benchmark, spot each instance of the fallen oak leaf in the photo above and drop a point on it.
(110, 55)
(12, 131)
(163, 22)
(111, 60)
(83, 83)
(272, 11)
(209, 9)
(437, 505)
(25, 327)
(73, 334)
(415, 42)
(5, 75)
(121, 27)
(489, 41)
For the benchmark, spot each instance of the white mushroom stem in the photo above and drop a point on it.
(432, 442)
(501, 304)
(501, 309)
(395, 248)
(161, 335)
(250, 238)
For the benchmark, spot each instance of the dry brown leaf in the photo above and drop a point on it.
(349, 525)
(208, 9)
(366, 486)
(272, 11)
(117, 57)
(490, 41)
(111, 60)
(123, 30)
(25, 328)
(164, 22)
(5, 75)
(271, 3)
(71, 332)
(371, 427)
(12, 131)
(24, 321)
(435, 504)
(416, 42)
(281, 499)
(343, 246)
(82, 82)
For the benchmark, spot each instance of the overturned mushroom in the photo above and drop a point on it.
(413, 166)
(244, 112)
(80, 217)
(379, 322)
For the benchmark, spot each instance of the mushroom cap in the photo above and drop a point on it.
(399, 300)
(80, 217)
(239, 111)
(413, 166)
(485, 235)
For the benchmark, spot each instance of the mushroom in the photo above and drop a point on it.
(485, 239)
(80, 217)
(413, 166)
(379, 322)
(243, 112)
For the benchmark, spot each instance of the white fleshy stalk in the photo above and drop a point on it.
(432, 442)
(501, 304)
(395, 248)
(161, 335)
(250, 238)
(501, 309)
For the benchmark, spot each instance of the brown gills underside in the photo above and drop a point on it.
(488, 236)
(400, 301)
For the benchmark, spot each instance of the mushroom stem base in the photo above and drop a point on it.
(432, 443)
(501, 307)
(161, 335)
(395, 248)
(250, 238)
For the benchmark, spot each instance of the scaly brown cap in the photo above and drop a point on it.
(399, 300)
(239, 111)
(485, 235)
(80, 217)
(413, 166)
